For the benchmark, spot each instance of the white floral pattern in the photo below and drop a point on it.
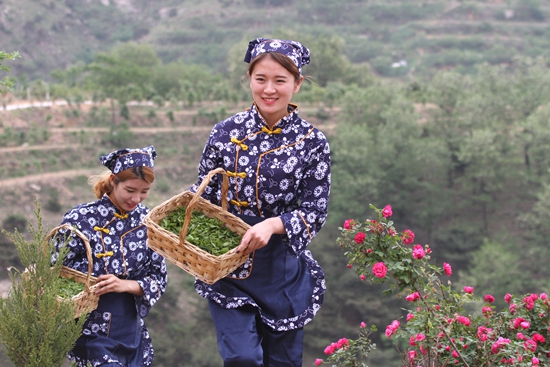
(290, 180)
(131, 259)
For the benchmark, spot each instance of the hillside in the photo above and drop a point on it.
(397, 38)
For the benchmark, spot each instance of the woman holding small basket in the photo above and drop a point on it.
(279, 169)
(130, 276)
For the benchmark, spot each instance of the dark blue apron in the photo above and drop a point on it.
(123, 341)
(280, 284)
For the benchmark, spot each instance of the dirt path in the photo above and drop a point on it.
(18, 181)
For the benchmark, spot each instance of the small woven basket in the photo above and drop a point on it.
(197, 262)
(86, 301)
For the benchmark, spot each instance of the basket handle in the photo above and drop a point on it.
(197, 196)
(86, 245)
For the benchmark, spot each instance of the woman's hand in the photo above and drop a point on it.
(258, 235)
(109, 283)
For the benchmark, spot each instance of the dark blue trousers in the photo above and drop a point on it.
(244, 341)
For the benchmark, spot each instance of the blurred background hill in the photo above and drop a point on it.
(438, 108)
(396, 37)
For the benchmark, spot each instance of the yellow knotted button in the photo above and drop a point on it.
(239, 203)
(239, 143)
(105, 230)
(265, 129)
(104, 254)
(121, 216)
(235, 174)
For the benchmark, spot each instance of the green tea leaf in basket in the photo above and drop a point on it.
(208, 234)
(69, 287)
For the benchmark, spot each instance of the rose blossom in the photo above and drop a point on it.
(508, 298)
(348, 223)
(359, 238)
(379, 270)
(487, 311)
(418, 252)
(413, 297)
(463, 320)
(448, 269)
(538, 338)
(318, 362)
(387, 212)
(530, 345)
(468, 289)
(489, 298)
(410, 316)
(408, 237)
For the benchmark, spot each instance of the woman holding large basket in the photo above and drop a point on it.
(279, 169)
(130, 276)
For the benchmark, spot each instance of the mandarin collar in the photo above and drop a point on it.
(292, 112)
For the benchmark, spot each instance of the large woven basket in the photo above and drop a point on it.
(86, 301)
(197, 262)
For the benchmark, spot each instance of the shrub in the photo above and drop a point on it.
(438, 328)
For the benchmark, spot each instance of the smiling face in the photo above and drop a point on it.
(272, 88)
(128, 194)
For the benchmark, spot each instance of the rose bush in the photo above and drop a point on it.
(438, 329)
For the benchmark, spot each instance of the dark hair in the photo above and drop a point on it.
(102, 183)
(285, 62)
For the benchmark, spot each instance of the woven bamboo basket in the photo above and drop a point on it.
(197, 262)
(86, 301)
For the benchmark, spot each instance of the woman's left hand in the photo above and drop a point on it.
(109, 283)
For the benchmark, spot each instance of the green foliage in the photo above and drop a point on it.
(53, 204)
(6, 82)
(35, 328)
(208, 234)
(15, 221)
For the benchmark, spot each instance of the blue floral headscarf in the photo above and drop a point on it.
(123, 159)
(298, 53)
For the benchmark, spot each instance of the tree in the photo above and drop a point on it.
(124, 74)
(6, 82)
(36, 329)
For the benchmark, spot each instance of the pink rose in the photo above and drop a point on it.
(469, 289)
(379, 270)
(413, 297)
(318, 362)
(463, 320)
(448, 269)
(408, 237)
(363, 325)
(412, 354)
(489, 298)
(359, 238)
(539, 338)
(418, 252)
(508, 298)
(348, 223)
(363, 277)
(410, 316)
(487, 311)
(387, 212)
(535, 360)
(530, 345)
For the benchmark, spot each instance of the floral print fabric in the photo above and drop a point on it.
(282, 172)
(119, 246)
